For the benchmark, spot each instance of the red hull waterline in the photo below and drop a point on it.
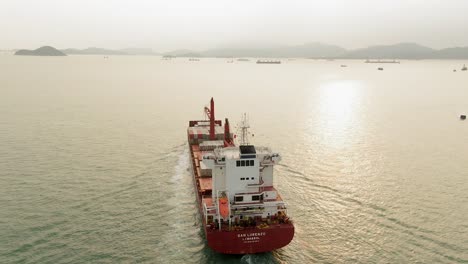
(263, 233)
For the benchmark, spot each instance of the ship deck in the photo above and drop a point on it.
(205, 183)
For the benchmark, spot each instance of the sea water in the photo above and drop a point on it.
(94, 163)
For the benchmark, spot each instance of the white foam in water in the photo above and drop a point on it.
(246, 259)
(180, 169)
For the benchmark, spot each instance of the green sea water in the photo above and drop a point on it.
(94, 162)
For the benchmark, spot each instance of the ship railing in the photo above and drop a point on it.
(249, 211)
(208, 210)
(260, 184)
(211, 210)
(267, 162)
(203, 123)
(205, 212)
(242, 206)
(281, 205)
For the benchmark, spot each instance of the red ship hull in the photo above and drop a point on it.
(251, 241)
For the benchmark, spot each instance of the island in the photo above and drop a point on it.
(42, 51)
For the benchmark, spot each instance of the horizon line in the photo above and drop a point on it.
(240, 47)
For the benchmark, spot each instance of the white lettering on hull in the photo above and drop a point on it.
(251, 237)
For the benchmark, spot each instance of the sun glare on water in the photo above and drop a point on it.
(337, 110)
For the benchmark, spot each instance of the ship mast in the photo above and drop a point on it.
(244, 127)
(210, 112)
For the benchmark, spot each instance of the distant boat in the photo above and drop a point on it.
(194, 59)
(268, 62)
(380, 69)
(342, 66)
(242, 59)
(464, 68)
(381, 61)
(168, 57)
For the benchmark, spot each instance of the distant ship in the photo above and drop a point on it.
(380, 69)
(268, 62)
(242, 59)
(381, 61)
(464, 68)
(241, 211)
(168, 57)
(194, 59)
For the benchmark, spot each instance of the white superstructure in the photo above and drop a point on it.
(244, 175)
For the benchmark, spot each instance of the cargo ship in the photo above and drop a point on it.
(268, 62)
(381, 61)
(241, 211)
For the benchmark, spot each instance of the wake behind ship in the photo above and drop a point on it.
(242, 212)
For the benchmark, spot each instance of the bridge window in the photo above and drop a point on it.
(239, 198)
(245, 163)
(255, 197)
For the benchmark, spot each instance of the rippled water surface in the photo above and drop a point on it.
(94, 162)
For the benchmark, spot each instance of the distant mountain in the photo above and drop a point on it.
(320, 50)
(93, 51)
(451, 53)
(183, 53)
(228, 52)
(306, 50)
(100, 51)
(191, 55)
(71, 51)
(397, 51)
(309, 50)
(139, 51)
(42, 51)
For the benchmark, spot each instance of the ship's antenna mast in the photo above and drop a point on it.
(244, 126)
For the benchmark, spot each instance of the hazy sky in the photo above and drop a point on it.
(202, 24)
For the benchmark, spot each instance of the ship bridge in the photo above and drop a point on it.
(244, 174)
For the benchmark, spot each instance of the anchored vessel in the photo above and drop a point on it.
(242, 212)
(381, 61)
(268, 62)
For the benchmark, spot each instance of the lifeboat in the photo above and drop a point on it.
(223, 207)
